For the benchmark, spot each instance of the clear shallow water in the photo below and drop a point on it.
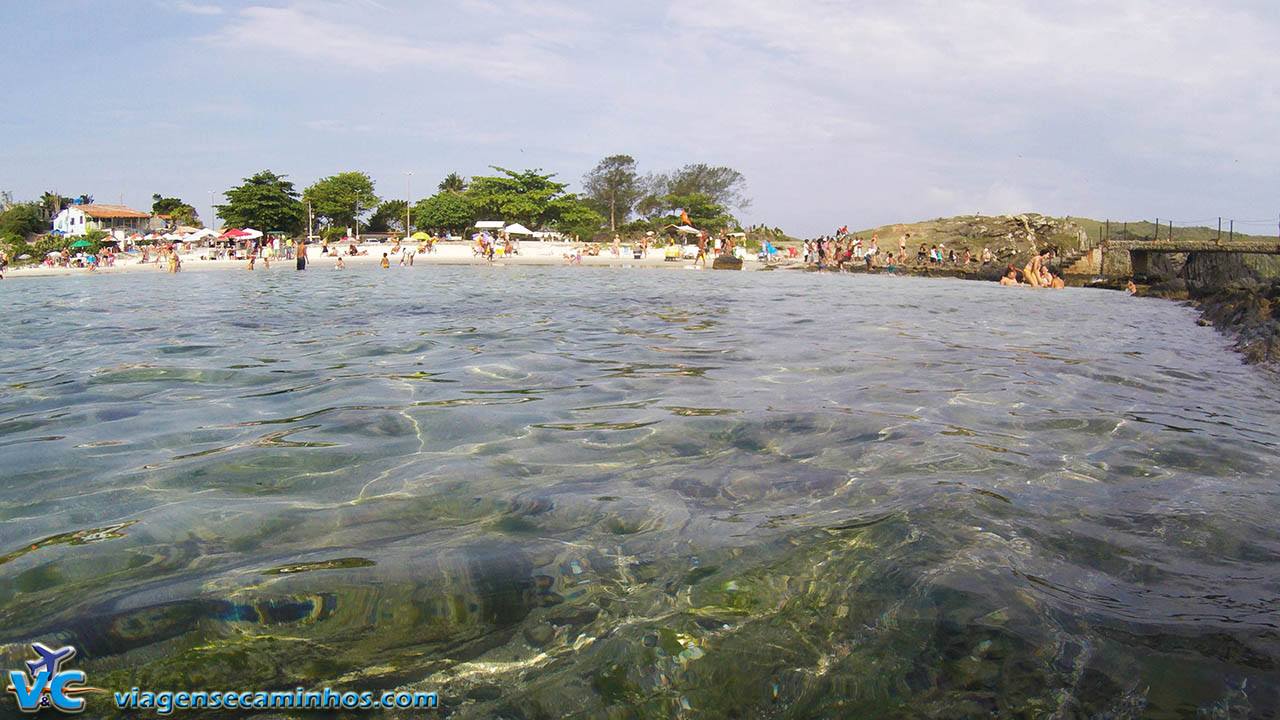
(549, 491)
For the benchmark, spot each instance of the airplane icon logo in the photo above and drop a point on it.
(50, 660)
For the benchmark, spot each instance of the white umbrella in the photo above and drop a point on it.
(688, 230)
(518, 229)
(24, 256)
(51, 253)
(251, 234)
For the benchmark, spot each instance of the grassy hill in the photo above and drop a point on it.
(1018, 235)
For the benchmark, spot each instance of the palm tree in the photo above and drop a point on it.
(453, 182)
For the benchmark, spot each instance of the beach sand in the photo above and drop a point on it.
(531, 253)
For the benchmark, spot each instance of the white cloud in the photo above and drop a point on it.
(197, 9)
(328, 35)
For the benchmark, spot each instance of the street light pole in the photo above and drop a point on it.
(213, 216)
(408, 176)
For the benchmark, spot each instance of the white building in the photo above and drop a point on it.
(80, 219)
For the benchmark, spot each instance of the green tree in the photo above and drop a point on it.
(185, 215)
(527, 197)
(388, 216)
(163, 205)
(445, 210)
(723, 186)
(453, 182)
(266, 202)
(339, 200)
(706, 193)
(613, 187)
(179, 213)
(51, 203)
(703, 212)
(575, 217)
(22, 220)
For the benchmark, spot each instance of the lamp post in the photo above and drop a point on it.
(408, 176)
(213, 216)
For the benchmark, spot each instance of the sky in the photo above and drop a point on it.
(837, 113)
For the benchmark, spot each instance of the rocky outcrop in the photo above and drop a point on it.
(1250, 310)
(1221, 269)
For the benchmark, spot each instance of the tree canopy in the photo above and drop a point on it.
(179, 212)
(530, 198)
(723, 186)
(390, 215)
(53, 203)
(613, 187)
(706, 193)
(22, 219)
(450, 211)
(265, 201)
(340, 199)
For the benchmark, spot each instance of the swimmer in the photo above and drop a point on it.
(340, 264)
(385, 262)
(1010, 278)
(1031, 273)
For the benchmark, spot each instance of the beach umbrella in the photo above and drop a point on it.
(81, 243)
(53, 253)
(24, 256)
(688, 230)
(251, 234)
(420, 236)
(518, 229)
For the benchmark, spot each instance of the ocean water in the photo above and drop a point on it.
(602, 492)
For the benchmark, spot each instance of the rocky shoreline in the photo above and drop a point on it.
(1247, 309)
(1244, 306)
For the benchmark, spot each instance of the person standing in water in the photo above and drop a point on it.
(301, 250)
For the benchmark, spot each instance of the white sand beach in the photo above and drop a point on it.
(446, 253)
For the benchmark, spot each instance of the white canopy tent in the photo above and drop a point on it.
(688, 230)
(518, 229)
(199, 235)
(490, 225)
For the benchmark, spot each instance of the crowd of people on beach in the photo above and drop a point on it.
(844, 250)
(840, 251)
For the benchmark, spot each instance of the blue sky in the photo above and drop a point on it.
(857, 113)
